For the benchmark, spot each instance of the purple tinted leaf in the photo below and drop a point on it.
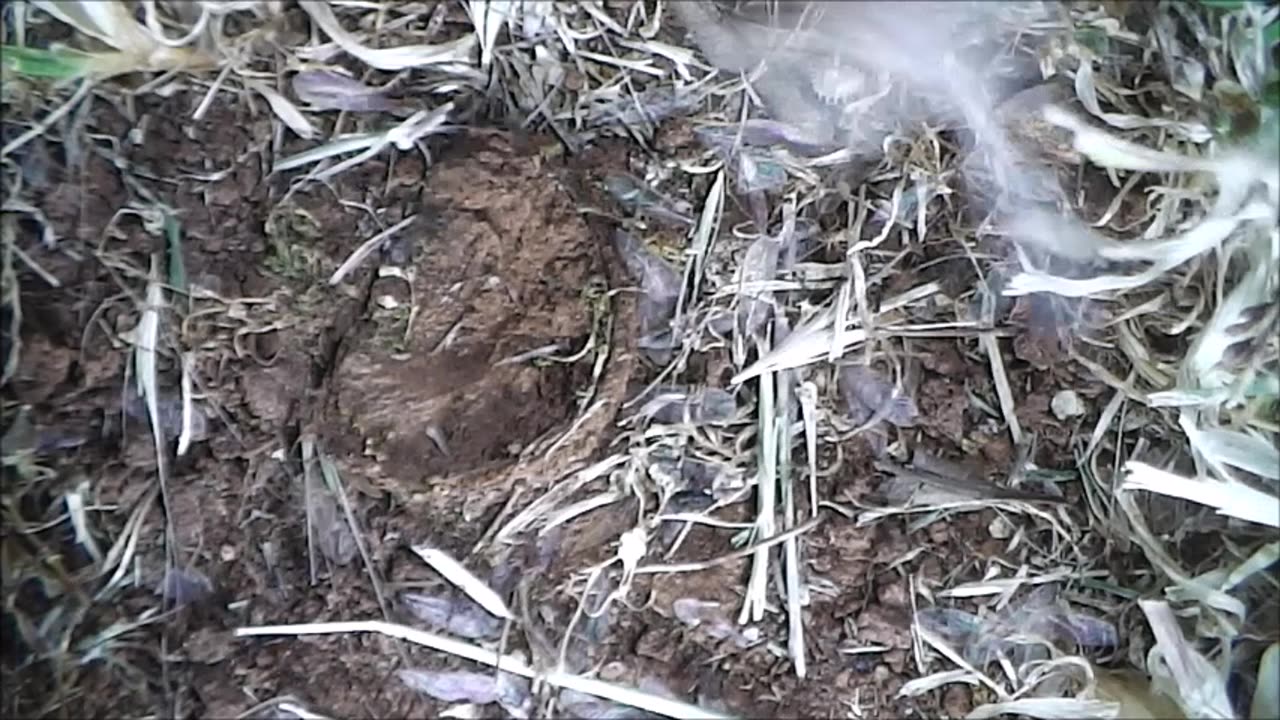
(1088, 631)
(867, 393)
(50, 440)
(760, 264)
(659, 290)
(1020, 631)
(528, 559)
(954, 626)
(638, 198)
(332, 533)
(453, 686)
(328, 90)
(758, 173)
(711, 619)
(651, 106)
(547, 550)
(699, 407)
(592, 709)
(759, 132)
(687, 501)
(183, 587)
(433, 610)
(459, 616)
(693, 612)
(169, 412)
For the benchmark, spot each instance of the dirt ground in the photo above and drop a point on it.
(432, 432)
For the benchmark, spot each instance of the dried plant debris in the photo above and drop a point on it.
(758, 267)
(330, 529)
(637, 198)
(324, 89)
(756, 138)
(170, 411)
(690, 406)
(641, 112)
(463, 579)
(184, 587)
(675, 473)
(477, 688)
(1022, 632)
(453, 613)
(660, 287)
(710, 618)
(869, 397)
(525, 561)
(928, 479)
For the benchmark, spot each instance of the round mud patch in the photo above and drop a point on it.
(447, 379)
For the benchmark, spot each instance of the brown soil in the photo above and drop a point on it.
(431, 434)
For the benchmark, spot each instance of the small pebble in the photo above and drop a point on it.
(1067, 404)
(1000, 529)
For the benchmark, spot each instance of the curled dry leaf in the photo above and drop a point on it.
(288, 113)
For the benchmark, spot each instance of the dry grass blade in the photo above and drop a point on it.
(1049, 709)
(454, 572)
(367, 248)
(147, 342)
(402, 136)
(1188, 676)
(1007, 407)
(756, 598)
(459, 51)
(489, 18)
(508, 663)
(1229, 498)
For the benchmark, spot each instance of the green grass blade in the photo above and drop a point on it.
(59, 64)
(177, 263)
